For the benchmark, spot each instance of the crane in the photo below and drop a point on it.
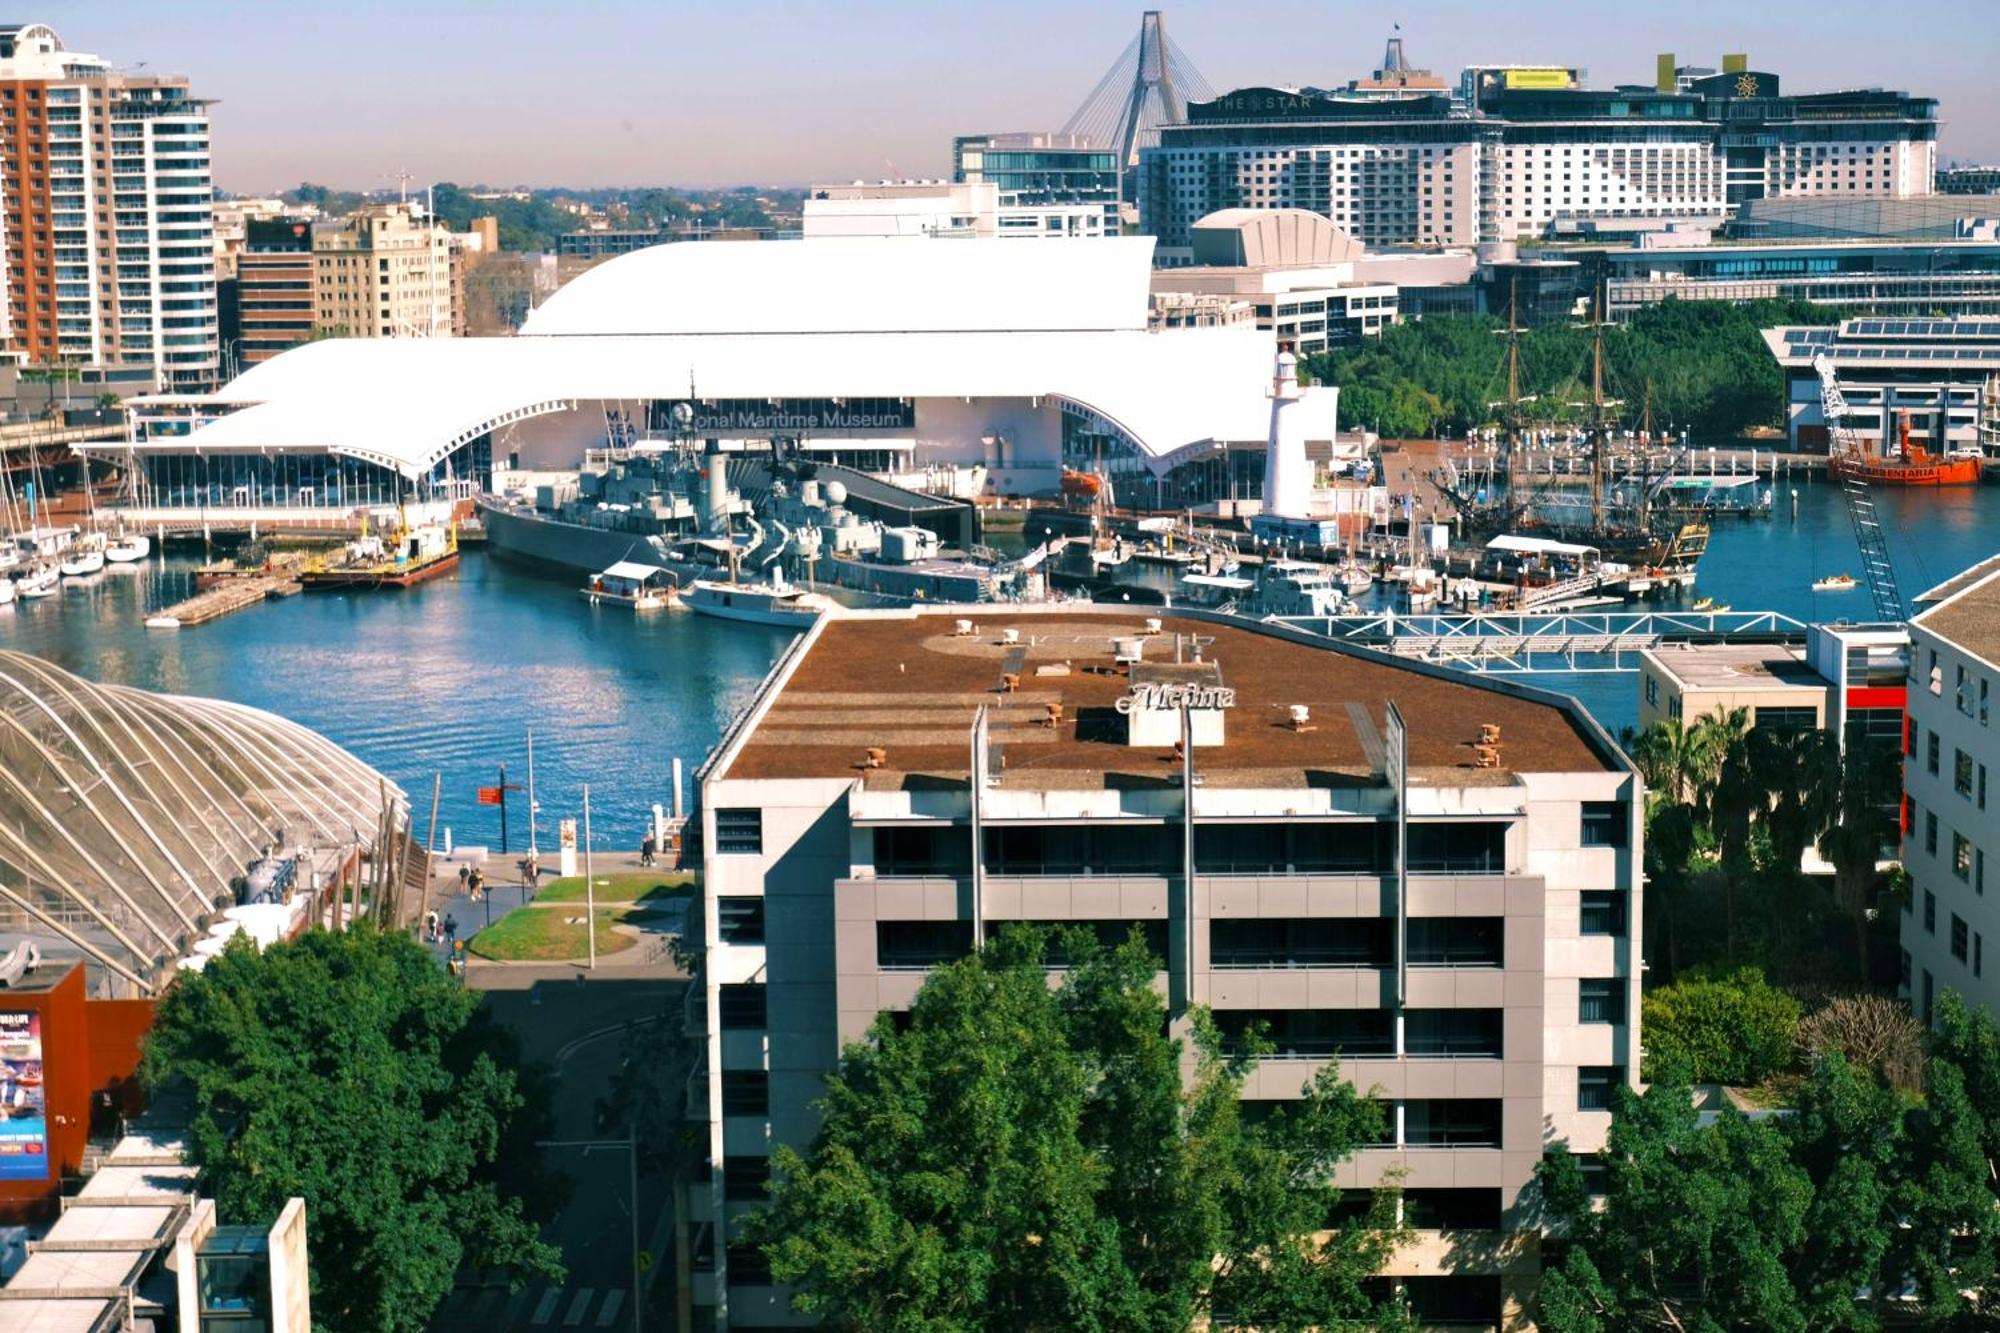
(1868, 534)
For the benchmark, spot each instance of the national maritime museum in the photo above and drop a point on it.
(902, 357)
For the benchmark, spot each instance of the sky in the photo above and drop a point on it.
(655, 92)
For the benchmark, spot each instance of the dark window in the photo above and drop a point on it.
(1452, 1122)
(1350, 1208)
(1978, 952)
(1594, 1084)
(748, 1265)
(1458, 849)
(1903, 969)
(905, 945)
(1931, 749)
(739, 830)
(1310, 1033)
(741, 1007)
(743, 1178)
(1300, 942)
(1110, 934)
(1596, 1172)
(1961, 772)
(1961, 856)
(1460, 1032)
(1930, 832)
(1961, 935)
(746, 1092)
(1604, 824)
(1452, 1209)
(1456, 941)
(1600, 1000)
(740, 920)
(1602, 912)
(922, 851)
(1786, 719)
(1439, 1301)
(1082, 849)
(1930, 912)
(1277, 849)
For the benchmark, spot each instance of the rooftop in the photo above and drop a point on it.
(1737, 667)
(1966, 610)
(910, 684)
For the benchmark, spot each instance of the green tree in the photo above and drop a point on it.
(1678, 760)
(1734, 1028)
(1024, 1156)
(347, 1069)
(1860, 827)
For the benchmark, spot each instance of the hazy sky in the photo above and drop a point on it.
(626, 92)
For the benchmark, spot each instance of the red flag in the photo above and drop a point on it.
(491, 796)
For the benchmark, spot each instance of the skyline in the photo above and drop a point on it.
(499, 96)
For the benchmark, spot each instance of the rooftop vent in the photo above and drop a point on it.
(1128, 650)
(1153, 625)
(961, 628)
(1010, 636)
(1302, 718)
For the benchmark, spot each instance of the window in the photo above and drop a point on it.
(1978, 952)
(1456, 941)
(1979, 870)
(1596, 1171)
(1452, 1209)
(746, 1092)
(1452, 1032)
(1604, 824)
(1961, 856)
(1903, 970)
(1930, 832)
(1962, 691)
(748, 1265)
(1452, 1122)
(743, 1178)
(739, 831)
(741, 1007)
(922, 851)
(1980, 800)
(914, 945)
(1961, 773)
(1930, 912)
(1458, 849)
(740, 920)
(1961, 936)
(1302, 942)
(1600, 1000)
(1602, 912)
(1309, 1034)
(1786, 719)
(1931, 749)
(1594, 1084)
(1653, 691)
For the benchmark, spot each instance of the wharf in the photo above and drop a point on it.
(221, 600)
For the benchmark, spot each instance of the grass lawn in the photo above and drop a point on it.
(637, 886)
(550, 934)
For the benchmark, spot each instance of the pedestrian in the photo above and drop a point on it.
(431, 926)
(464, 878)
(451, 930)
(476, 884)
(531, 869)
(647, 846)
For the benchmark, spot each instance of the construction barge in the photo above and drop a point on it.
(222, 599)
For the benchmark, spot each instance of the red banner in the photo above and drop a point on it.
(491, 796)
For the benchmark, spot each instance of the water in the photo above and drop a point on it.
(448, 677)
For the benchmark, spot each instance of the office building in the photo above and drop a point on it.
(1486, 986)
(1951, 833)
(109, 235)
(385, 271)
(1846, 678)
(271, 303)
(1520, 149)
(1968, 180)
(603, 242)
(1940, 378)
(1291, 271)
(1040, 169)
(947, 208)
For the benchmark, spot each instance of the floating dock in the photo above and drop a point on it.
(216, 602)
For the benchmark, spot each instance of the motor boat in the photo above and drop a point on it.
(126, 549)
(84, 558)
(41, 581)
(1837, 583)
(757, 603)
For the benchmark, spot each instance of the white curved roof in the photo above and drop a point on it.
(857, 285)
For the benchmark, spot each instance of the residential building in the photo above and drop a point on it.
(603, 242)
(273, 303)
(1033, 169)
(946, 208)
(385, 271)
(1484, 985)
(109, 234)
(1937, 378)
(1521, 149)
(1951, 829)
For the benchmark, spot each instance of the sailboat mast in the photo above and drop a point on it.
(1597, 422)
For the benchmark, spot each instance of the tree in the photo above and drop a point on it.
(1861, 825)
(347, 1069)
(1024, 1156)
(1734, 1028)
(1677, 759)
(1869, 1032)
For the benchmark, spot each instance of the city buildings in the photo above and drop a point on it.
(1847, 678)
(949, 209)
(1519, 149)
(271, 303)
(105, 181)
(1951, 831)
(905, 783)
(1041, 169)
(1938, 377)
(386, 271)
(1290, 270)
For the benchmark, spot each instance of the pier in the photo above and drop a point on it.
(221, 600)
(1525, 642)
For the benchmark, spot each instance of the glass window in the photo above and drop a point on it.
(1961, 856)
(740, 920)
(1602, 912)
(1309, 1034)
(1452, 1209)
(741, 1006)
(1930, 912)
(913, 945)
(933, 851)
(746, 1092)
(1931, 750)
(1451, 1122)
(1594, 1084)
(1456, 941)
(739, 831)
(1452, 1032)
(1604, 824)
(1961, 935)
(1235, 942)
(1458, 849)
(743, 1178)
(1930, 832)
(1961, 773)
(1600, 1000)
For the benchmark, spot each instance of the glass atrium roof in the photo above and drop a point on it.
(125, 816)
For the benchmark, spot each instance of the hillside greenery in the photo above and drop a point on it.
(1708, 370)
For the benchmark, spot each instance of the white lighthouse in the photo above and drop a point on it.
(1288, 475)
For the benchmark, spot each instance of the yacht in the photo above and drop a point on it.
(128, 548)
(41, 581)
(84, 558)
(1297, 588)
(6, 590)
(777, 603)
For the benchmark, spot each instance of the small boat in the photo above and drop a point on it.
(41, 581)
(640, 586)
(756, 603)
(84, 558)
(1838, 583)
(128, 549)
(1703, 604)
(6, 591)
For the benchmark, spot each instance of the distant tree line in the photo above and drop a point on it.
(1702, 364)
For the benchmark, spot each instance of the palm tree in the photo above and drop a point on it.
(1801, 772)
(1676, 759)
(1737, 796)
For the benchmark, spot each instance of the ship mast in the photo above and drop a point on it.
(1597, 421)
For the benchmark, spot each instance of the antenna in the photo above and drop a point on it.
(402, 179)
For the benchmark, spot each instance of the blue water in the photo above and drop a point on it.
(449, 677)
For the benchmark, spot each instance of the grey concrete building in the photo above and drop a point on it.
(1484, 984)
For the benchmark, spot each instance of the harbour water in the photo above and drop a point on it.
(450, 676)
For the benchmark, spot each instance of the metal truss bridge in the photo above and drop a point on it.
(1527, 642)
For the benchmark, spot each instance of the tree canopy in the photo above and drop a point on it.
(1702, 362)
(1028, 1156)
(347, 1069)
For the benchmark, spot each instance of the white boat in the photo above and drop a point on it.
(10, 560)
(42, 581)
(1297, 588)
(128, 549)
(6, 591)
(1353, 578)
(85, 558)
(757, 603)
(1837, 583)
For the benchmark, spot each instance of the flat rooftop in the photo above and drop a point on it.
(1966, 610)
(911, 685)
(1737, 667)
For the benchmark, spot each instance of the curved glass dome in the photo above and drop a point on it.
(126, 816)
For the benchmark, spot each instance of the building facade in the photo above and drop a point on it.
(1485, 984)
(385, 271)
(1940, 378)
(1521, 149)
(1040, 169)
(109, 230)
(1951, 831)
(275, 304)
(950, 209)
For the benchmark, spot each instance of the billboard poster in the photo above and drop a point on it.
(24, 1121)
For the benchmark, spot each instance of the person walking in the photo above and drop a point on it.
(647, 846)
(451, 930)
(476, 884)
(431, 926)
